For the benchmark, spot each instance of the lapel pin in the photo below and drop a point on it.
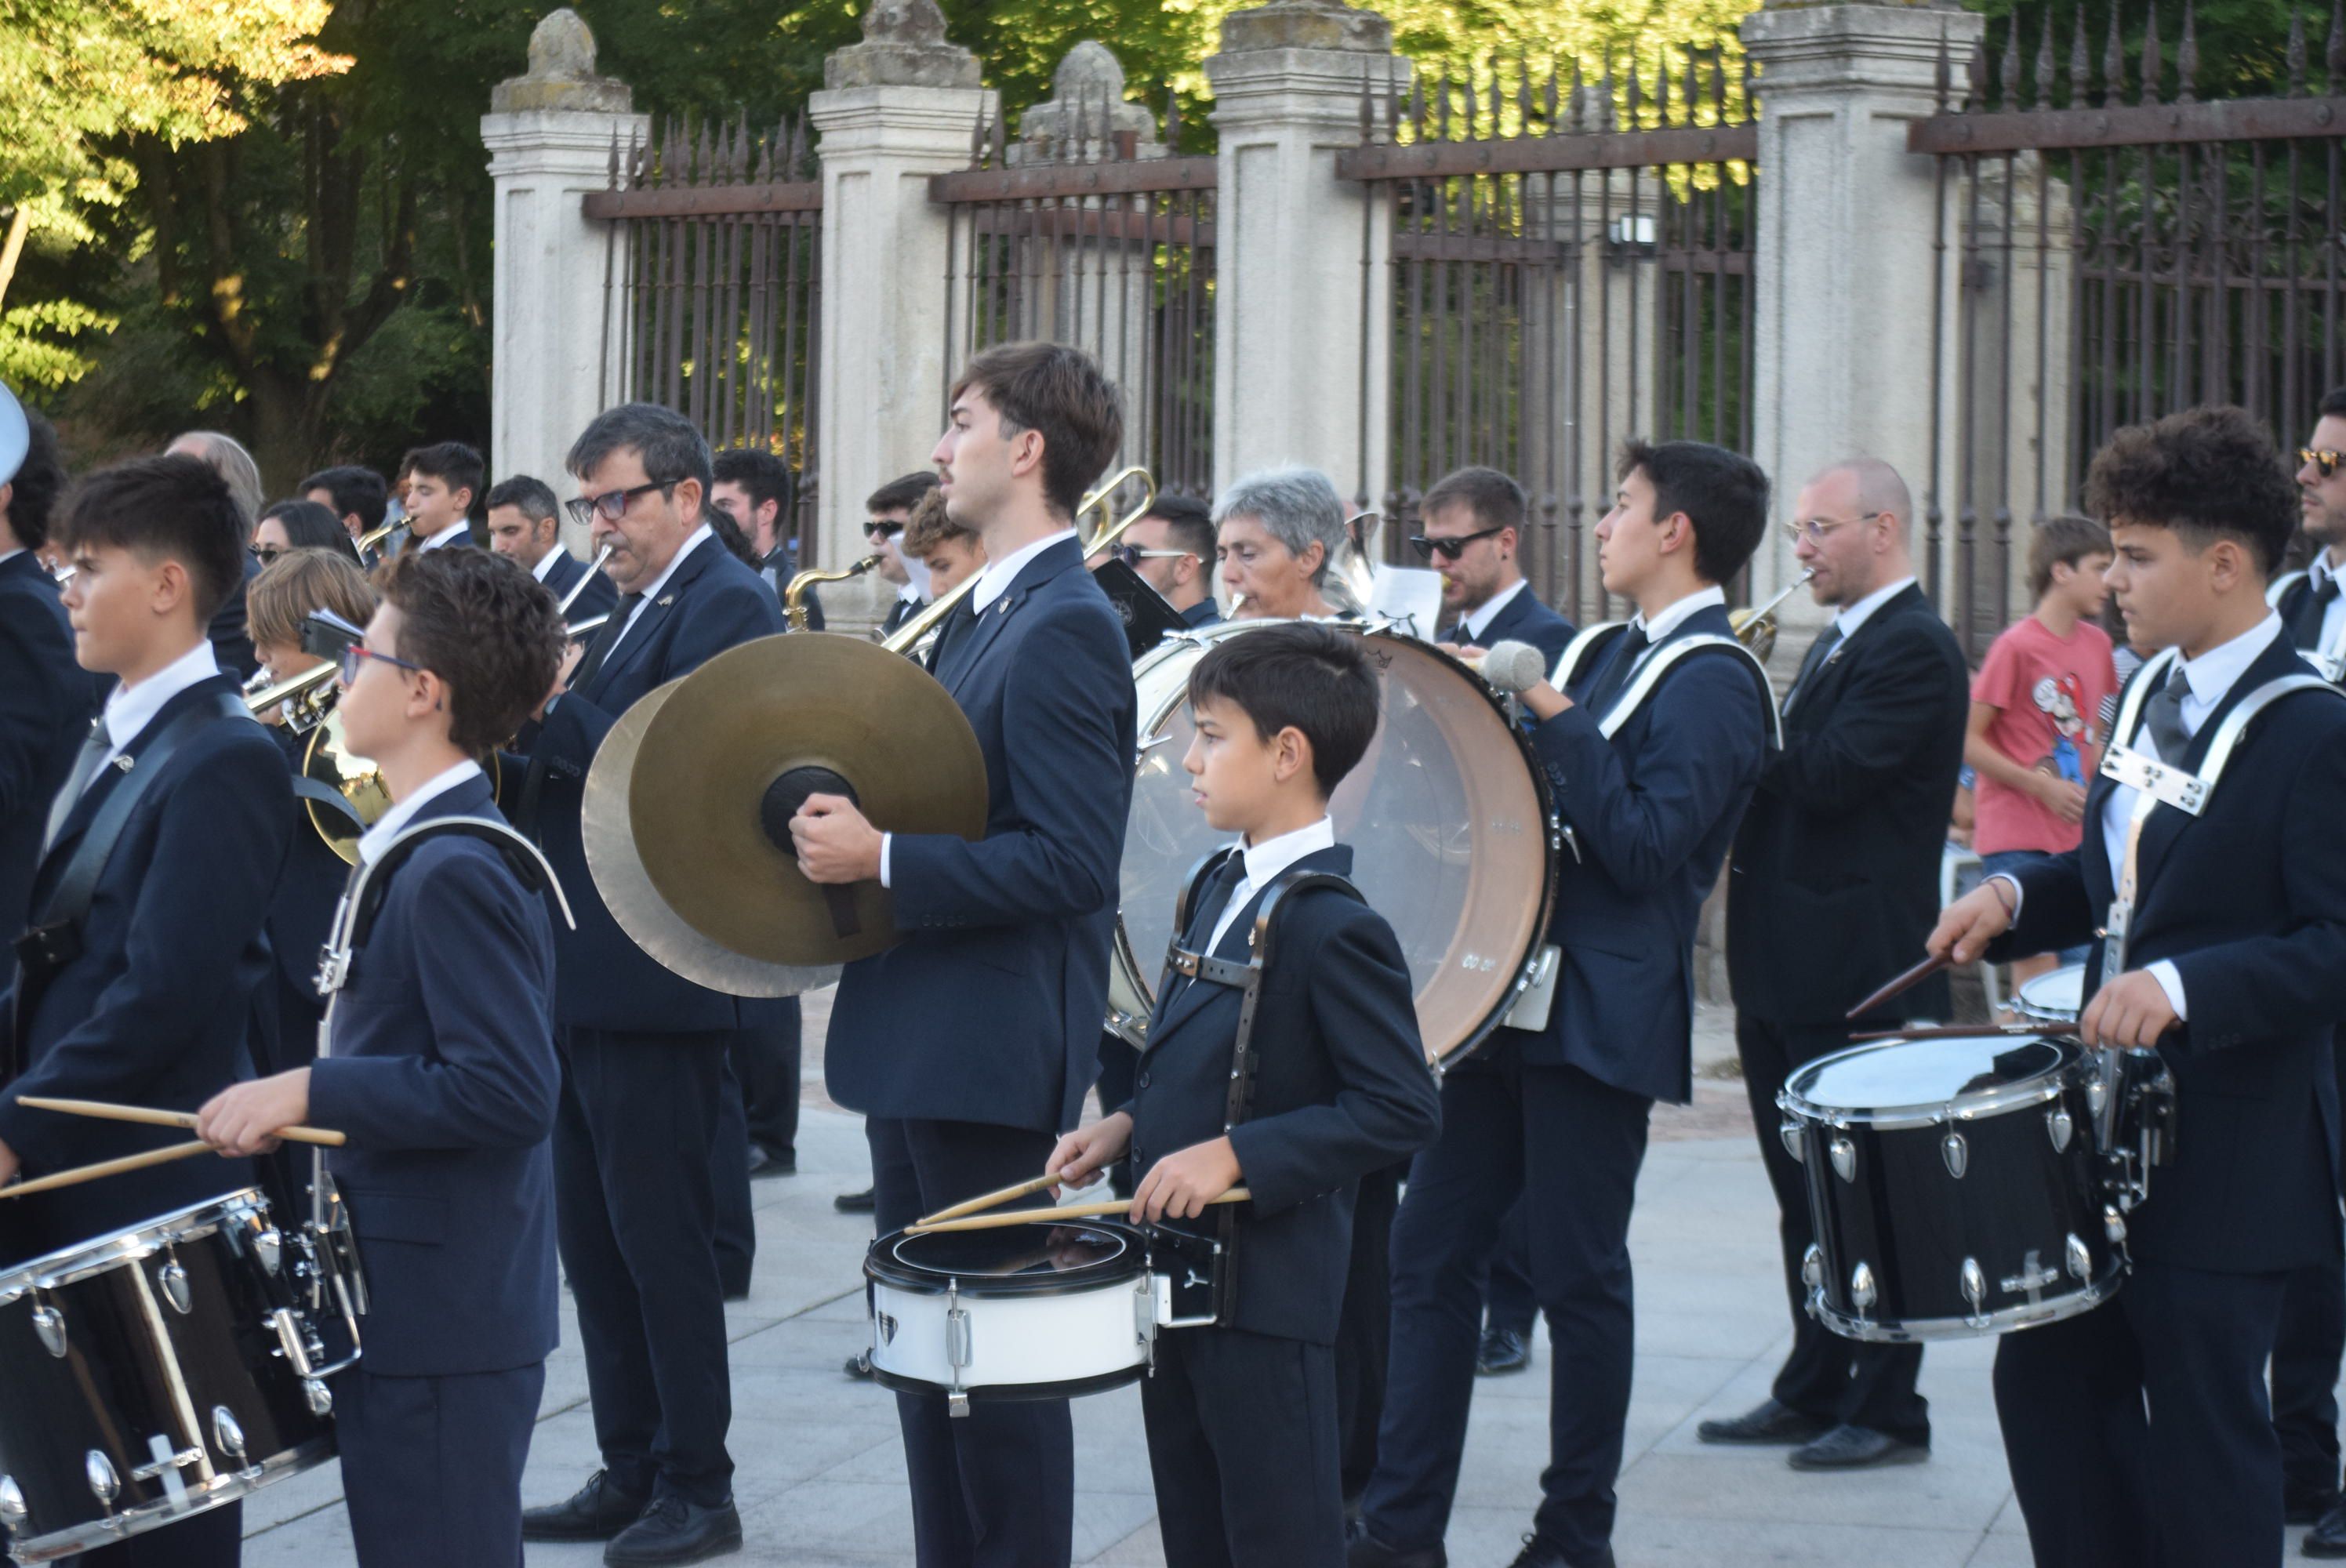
(123, 762)
(1004, 609)
(665, 600)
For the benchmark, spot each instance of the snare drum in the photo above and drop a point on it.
(1956, 1185)
(153, 1374)
(2056, 996)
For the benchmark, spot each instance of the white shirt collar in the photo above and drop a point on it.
(911, 594)
(1479, 621)
(2319, 570)
(1851, 617)
(546, 563)
(692, 541)
(996, 580)
(459, 529)
(1265, 860)
(2218, 670)
(131, 708)
(1670, 619)
(393, 822)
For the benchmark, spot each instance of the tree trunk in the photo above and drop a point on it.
(286, 416)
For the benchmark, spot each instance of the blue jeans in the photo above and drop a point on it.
(2012, 860)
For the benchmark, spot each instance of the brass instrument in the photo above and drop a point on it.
(310, 696)
(794, 595)
(580, 630)
(1756, 629)
(586, 577)
(373, 537)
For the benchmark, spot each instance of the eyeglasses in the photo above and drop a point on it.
(1815, 528)
(881, 529)
(2321, 458)
(1451, 549)
(264, 554)
(612, 504)
(354, 659)
(1133, 555)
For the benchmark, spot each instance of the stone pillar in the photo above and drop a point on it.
(895, 108)
(551, 132)
(1302, 328)
(1846, 259)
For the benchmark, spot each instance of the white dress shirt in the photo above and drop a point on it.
(1264, 862)
(1670, 619)
(546, 563)
(130, 709)
(692, 541)
(459, 529)
(1479, 621)
(1848, 617)
(392, 823)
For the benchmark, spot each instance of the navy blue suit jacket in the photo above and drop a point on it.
(594, 599)
(990, 1008)
(2248, 901)
(445, 1075)
(1341, 1089)
(231, 643)
(45, 713)
(1204, 613)
(301, 918)
(711, 603)
(157, 1008)
(1522, 619)
(1654, 809)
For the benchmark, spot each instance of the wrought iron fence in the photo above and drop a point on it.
(1570, 265)
(2117, 250)
(715, 249)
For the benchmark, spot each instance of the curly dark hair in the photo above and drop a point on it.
(2208, 472)
(486, 627)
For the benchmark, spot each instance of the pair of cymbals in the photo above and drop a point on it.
(686, 806)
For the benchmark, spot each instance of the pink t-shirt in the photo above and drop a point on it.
(2052, 691)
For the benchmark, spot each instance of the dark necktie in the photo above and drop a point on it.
(1213, 898)
(86, 765)
(1818, 652)
(1454, 634)
(2311, 610)
(1626, 649)
(605, 641)
(957, 622)
(2163, 716)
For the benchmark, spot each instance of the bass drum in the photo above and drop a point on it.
(1448, 817)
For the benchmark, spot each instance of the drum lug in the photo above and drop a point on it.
(321, 1397)
(2113, 1225)
(1861, 1289)
(176, 1289)
(2059, 1123)
(957, 1348)
(2079, 1261)
(1790, 1133)
(268, 1247)
(289, 1340)
(1844, 1157)
(50, 1325)
(104, 1484)
(13, 1511)
(1956, 1153)
(2097, 1093)
(1974, 1285)
(228, 1433)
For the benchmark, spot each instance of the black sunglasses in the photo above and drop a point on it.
(1450, 549)
(2323, 458)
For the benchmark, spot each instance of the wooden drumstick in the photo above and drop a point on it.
(80, 1173)
(1899, 986)
(1968, 1031)
(111, 1113)
(1065, 1211)
(987, 1200)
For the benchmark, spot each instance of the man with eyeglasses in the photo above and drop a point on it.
(1170, 547)
(1833, 887)
(886, 512)
(1471, 527)
(644, 1051)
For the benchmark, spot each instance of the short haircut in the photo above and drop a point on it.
(1496, 500)
(533, 498)
(668, 445)
(901, 495)
(299, 583)
(2207, 473)
(227, 456)
(2062, 541)
(730, 535)
(761, 475)
(453, 464)
(354, 492)
(1880, 488)
(310, 527)
(1061, 392)
(175, 507)
(1723, 493)
(39, 480)
(930, 527)
(1295, 506)
(2333, 404)
(1304, 674)
(1188, 524)
(485, 625)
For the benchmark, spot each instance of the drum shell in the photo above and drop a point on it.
(121, 1383)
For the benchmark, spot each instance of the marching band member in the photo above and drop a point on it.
(443, 481)
(1242, 1418)
(444, 1076)
(1170, 547)
(644, 1051)
(886, 511)
(1471, 527)
(1560, 1114)
(1276, 534)
(45, 695)
(969, 1046)
(146, 949)
(1835, 882)
(526, 525)
(2140, 1432)
(952, 551)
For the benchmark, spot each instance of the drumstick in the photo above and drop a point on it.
(107, 1113)
(1967, 1032)
(987, 1200)
(1052, 1215)
(106, 1168)
(1899, 986)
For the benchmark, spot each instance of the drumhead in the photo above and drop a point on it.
(1034, 1258)
(1917, 1079)
(2056, 996)
(1447, 817)
(245, 1206)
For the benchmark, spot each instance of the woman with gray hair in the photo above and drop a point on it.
(1276, 533)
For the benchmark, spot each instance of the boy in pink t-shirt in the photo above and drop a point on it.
(2036, 724)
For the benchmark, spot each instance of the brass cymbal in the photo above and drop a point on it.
(681, 790)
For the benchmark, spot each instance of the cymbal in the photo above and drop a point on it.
(680, 794)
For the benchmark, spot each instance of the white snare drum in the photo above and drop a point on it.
(2056, 996)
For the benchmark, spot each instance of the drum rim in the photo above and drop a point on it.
(2022, 1315)
(2040, 1014)
(2035, 1090)
(1017, 1393)
(881, 1267)
(131, 1243)
(229, 1486)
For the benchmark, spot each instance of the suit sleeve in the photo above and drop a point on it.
(223, 829)
(1067, 729)
(2055, 912)
(574, 731)
(1705, 744)
(28, 721)
(490, 1078)
(1895, 705)
(1387, 1106)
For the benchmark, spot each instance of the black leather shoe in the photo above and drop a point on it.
(675, 1531)
(853, 1202)
(1539, 1554)
(859, 1365)
(1771, 1422)
(1502, 1351)
(1855, 1448)
(1362, 1550)
(595, 1512)
(2327, 1538)
(765, 1162)
(2307, 1505)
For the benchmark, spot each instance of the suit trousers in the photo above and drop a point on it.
(635, 1138)
(1508, 1302)
(995, 1488)
(432, 1465)
(736, 1236)
(1571, 1146)
(1242, 1446)
(1365, 1330)
(765, 1057)
(2140, 1435)
(2307, 1354)
(1826, 1377)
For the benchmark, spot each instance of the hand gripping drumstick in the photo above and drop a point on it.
(106, 1168)
(106, 1113)
(1052, 1215)
(987, 1200)
(1898, 987)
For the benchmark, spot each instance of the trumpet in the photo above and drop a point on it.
(310, 696)
(794, 595)
(1756, 629)
(579, 586)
